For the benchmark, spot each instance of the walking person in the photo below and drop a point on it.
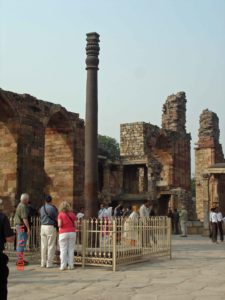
(48, 216)
(183, 216)
(22, 229)
(67, 236)
(6, 235)
(220, 223)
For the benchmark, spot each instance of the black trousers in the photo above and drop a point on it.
(214, 232)
(220, 228)
(4, 273)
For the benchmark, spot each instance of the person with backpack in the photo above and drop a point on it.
(48, 216)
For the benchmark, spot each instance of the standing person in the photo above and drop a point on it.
(183, 216)
(220, 223)
(176, 221)
(31, 215)
(144, 214)
(67, 235)
(144, 210)
(210, 222)
(170, 215)
(118, 211)
(152, 211)
(6, 235)
(80, 217)
(22, 228)
(133, 226)
(48, 216)
(213, 220)
(80, 214)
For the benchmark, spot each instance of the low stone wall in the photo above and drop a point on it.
(195, 227)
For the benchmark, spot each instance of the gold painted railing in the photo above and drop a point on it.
(115, 242)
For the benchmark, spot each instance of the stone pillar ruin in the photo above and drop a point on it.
(208, 151)
(205, 186)
(91, 126)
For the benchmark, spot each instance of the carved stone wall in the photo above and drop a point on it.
(41, 150)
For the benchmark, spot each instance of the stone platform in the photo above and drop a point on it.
(196, 272)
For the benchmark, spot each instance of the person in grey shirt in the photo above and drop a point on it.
(48, 215)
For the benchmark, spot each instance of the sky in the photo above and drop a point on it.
(149, 49)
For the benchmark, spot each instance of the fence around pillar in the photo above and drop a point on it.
(114, 242)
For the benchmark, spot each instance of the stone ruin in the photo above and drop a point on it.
(42, 151)
(156, 161)
(208, 154)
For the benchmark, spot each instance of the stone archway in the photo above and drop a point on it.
(8, 154)
(59, 159)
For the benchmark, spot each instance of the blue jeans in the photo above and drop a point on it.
(21, 240)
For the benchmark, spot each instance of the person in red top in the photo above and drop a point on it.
(67, 235)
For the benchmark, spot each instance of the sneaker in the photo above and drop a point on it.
(62, 268)
(70, 267)
(22, 263)
(43, 265)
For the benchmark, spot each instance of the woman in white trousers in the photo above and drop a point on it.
(67, 236)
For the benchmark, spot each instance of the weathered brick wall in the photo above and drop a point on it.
(8, 165)
(47, 153)
(207, 152)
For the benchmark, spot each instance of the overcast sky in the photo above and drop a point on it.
(149, 50)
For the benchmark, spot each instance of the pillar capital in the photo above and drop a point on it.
(92, 50)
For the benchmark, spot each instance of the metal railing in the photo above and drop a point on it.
(114, 242)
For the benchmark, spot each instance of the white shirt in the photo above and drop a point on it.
(213, 217)
(80, 215)
(219, 217)
(103, 213)
(144, 211)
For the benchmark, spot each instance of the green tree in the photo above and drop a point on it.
(109, 147)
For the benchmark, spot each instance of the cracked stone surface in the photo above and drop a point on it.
(196, 272)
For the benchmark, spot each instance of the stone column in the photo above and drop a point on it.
(205, 186)
(151, 183)
(141, 179)
(91, 127)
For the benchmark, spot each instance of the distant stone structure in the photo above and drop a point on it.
(210, 167)
(41, 150)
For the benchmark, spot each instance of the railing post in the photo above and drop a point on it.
(84, 233)
(114, 245)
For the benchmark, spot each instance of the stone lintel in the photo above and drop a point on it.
(134, 162)
(216, 170)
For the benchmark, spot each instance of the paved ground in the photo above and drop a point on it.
(196, 272)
